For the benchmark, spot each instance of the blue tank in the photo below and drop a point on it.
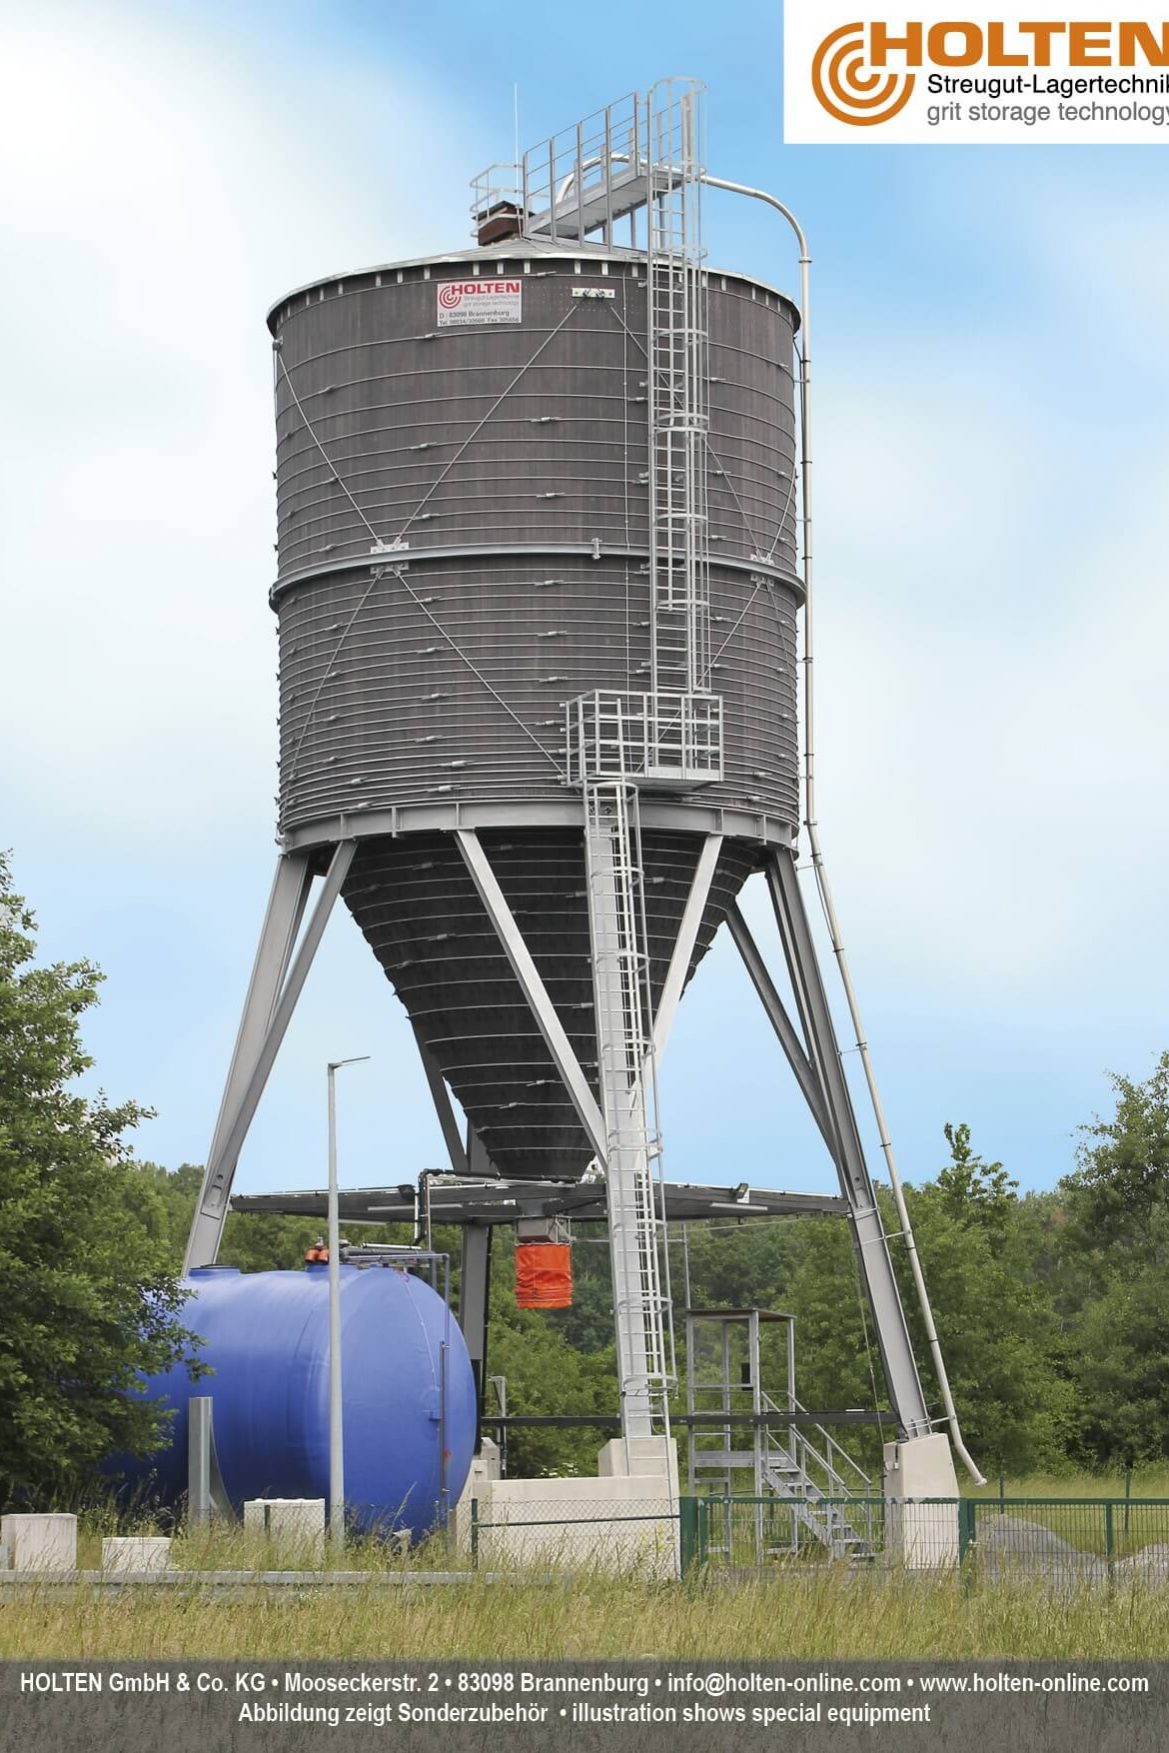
(266, 1336)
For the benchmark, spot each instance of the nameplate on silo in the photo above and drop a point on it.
(463, 302)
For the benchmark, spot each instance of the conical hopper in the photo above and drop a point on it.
(418, 908)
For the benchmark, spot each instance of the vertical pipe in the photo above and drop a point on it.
(199, 1414)
(608, 149)
(336, 1434)
(580, 224)
(812, 825)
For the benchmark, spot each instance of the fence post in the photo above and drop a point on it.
(965, 1527)
(1109, 1540)
(688, 1533)
(474, 1533)
(967, 1540)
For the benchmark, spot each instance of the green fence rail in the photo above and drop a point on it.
(1059, 1539)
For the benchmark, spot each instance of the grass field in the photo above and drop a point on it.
(1147, 1481)
(803, 1612)
(801, 1616)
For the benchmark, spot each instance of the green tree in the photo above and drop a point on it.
(545, 1373)
(1113, 1261)
(1121, 1178)
(88, 1294)
(997, 1323)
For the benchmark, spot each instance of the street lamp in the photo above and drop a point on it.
(336, 1437)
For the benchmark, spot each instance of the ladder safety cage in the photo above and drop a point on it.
(625, 1064)
(661, 739)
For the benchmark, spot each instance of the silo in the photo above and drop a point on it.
(428, 689)
(537, 592)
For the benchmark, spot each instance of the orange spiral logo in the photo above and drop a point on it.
(845, 88)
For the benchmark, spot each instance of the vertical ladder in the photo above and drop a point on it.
(625, 1071)
(677, 394)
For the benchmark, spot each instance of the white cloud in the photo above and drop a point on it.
(164, 186)
(991, 629)
(170, 188)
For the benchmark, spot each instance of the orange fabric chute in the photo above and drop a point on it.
(543, 1275)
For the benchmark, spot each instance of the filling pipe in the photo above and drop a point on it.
(810, 822)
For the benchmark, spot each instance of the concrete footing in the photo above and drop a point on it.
(294, 1523)
(135, 1554)
(921, 1535)
(47, 1543)
(623, 1520)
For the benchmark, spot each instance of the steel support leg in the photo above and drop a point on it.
(271, 1000)
(443, 1107)
(688, 930)
(533, 988)
(786, 1031)
(807, 983)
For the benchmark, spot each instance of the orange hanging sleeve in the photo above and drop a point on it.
(543, 1275)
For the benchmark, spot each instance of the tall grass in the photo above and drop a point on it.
(800, 1615)
(807, 1612)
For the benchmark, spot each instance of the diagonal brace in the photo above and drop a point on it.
(785, 1029)
(533, 988)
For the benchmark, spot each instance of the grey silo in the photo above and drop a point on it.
(427, 686)
(537, 594)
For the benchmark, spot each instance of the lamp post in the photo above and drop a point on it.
(336, 1435)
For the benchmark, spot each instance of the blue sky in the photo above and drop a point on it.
(992, 457)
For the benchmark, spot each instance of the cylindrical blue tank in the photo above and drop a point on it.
(408, 1392)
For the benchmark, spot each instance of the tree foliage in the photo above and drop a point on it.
(1050, 1308)
(87, 1289)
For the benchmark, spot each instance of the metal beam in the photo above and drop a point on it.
(785, 1029)
(534, 990)
(443, 1107)
(692, 918)
(286, 904)
(247, 1082)
(905, 1388)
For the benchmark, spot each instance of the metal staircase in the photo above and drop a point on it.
(828, 1497)
(809, 1470)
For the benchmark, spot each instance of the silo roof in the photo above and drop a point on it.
(512, 249)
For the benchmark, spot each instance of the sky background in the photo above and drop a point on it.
(992, 460)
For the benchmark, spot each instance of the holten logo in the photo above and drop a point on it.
(864, 73)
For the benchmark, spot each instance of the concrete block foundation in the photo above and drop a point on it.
(47, 1543)
(619, 1521)
(295, 1524)
(135, 1554)
(921, 1535)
